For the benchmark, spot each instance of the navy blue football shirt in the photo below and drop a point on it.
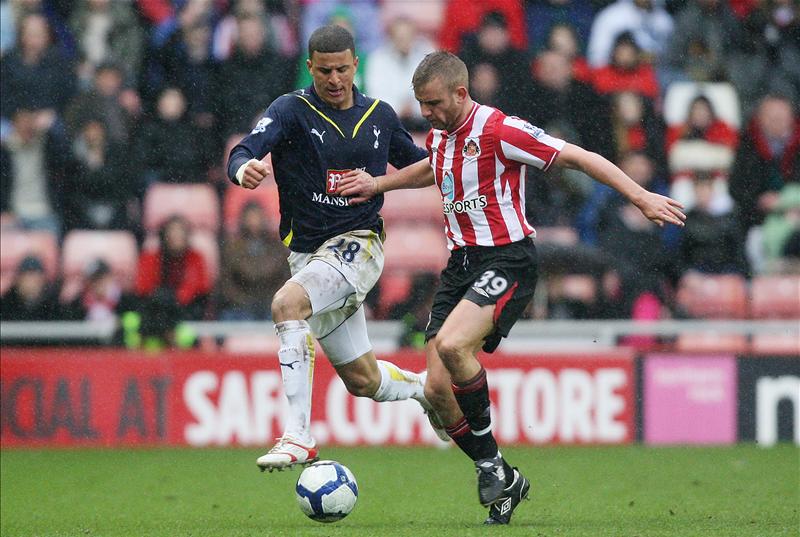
(312, 146)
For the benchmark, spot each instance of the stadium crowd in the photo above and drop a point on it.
(117, 116)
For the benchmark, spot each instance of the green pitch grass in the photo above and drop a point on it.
(617, 492)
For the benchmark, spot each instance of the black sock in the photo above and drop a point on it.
(473, 400)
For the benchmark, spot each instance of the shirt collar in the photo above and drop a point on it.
(359, 99)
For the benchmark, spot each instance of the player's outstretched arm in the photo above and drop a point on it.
(660, 209)
(360, 186)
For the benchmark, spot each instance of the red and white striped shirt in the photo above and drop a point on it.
(480, 171)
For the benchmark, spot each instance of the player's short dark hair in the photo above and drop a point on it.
(444, 65)
(331, 38)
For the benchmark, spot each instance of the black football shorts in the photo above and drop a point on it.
(501, 275)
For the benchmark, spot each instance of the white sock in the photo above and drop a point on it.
(296, 356)
(397, 384)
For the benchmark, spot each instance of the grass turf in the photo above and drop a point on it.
(611, 491)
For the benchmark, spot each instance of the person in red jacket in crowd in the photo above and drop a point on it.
(172, 282)
(465, 17)
(628, 70)
(768, 158)
(702, 123)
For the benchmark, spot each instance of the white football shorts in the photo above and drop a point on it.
(337, 278)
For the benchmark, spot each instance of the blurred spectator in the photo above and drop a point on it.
(363, 18)
(628, 71)
(240, 98)
(172, 282)
(107, 30)
(187, 64)
(543, 16)
(8, 31)
(281, 30)
(101, 298)
(117, 106)
(648, 22)
(344, 17)
(711, 241)
(643, 264)
(768, 59)
(254, 268)
(554, 198)
(564, 40)
(168, 148)
(768, 158)
(414, 311)
(604, 200)
(555, 96)
(99, 186)
(703, 124)
(36, 75)
(169, 16)
(781, 232)
(33, 161)
(31, 297)
(485, 86)
(461, 18)
(391, 66)
(636, 127)
(706, 32)
(491, 45)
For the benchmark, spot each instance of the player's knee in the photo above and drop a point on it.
(361, 385)
(450, 350)
(285, 307)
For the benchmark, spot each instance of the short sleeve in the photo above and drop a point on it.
(521, 142)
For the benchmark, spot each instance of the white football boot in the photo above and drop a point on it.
(286, 453)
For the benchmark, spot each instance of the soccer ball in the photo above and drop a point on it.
(326, 491)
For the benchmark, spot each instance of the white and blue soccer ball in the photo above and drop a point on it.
(326, 491)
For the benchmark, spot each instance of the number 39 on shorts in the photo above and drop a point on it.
(346, 251)
(491, 283)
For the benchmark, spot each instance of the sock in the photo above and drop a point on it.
(397, 384)
(296, 356)
(475, 430)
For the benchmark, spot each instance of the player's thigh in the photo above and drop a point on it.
(340, 273)
(467, 326)
(326, 287)
(343, 338)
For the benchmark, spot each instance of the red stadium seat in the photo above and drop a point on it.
(412, 248)
(236, 198)
(776, 344)
(395, 287)
(117, 248)
(205, 242)
(711, 342)
(16, 244)
(776, 297)
(713, 296)
(420, 205)
(197, 202)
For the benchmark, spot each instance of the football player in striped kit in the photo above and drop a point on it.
(477, 157)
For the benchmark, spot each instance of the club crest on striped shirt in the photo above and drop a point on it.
(472, 148)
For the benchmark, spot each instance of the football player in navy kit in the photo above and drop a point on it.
(316, 135)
